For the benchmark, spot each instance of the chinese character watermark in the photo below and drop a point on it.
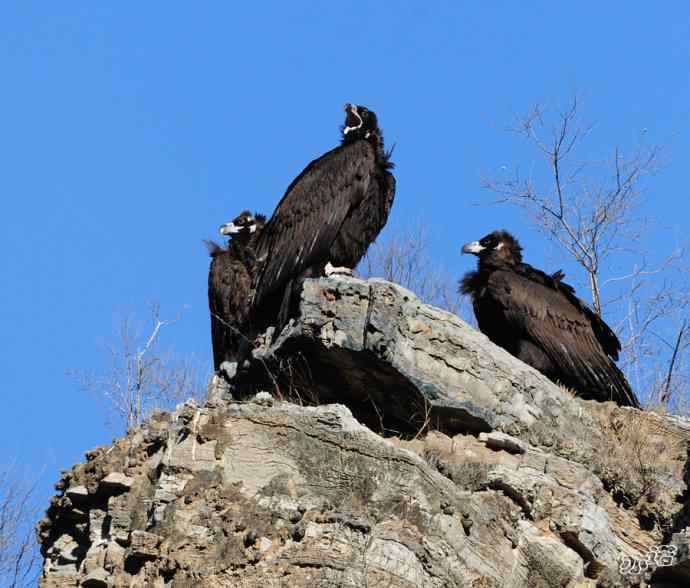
(658, 556)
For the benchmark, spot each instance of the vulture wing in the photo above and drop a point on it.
(547, 312)
(606, 337)
(310, 214)
(228, 289)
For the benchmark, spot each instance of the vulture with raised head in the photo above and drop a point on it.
(539, 319)
(229, 287)
(328, 217)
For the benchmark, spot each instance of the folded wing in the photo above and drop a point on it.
(307, 219)
(579, 344)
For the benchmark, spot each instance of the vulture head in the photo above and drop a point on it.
(360, 123)
(497, 248)
(243, 226)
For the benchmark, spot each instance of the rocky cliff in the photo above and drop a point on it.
(398, 448)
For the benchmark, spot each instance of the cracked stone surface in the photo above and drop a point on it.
(307, 496)
(495, 478)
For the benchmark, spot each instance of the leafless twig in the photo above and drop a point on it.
(19, 555)
(665, 395)
(141, 377)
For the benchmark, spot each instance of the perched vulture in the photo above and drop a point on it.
(229, 287)
(328, 217)
(539, 319)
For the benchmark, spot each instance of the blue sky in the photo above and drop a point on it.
(130, 131)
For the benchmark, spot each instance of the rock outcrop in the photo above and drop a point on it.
(472, 470)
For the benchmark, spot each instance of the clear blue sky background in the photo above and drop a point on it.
(130, 131)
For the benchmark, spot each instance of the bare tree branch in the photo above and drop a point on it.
(140, 377)
(19, 557)
(665, 395)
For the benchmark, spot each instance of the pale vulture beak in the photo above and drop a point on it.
(229, 229)
(475, 248)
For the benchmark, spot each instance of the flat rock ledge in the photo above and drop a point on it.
(484, 473)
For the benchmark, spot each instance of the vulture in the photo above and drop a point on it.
(229, 287)
(330, 214)
(539, 319)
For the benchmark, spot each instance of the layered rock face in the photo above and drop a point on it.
(472, 470)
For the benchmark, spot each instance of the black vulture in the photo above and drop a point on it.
(229, 287)
(328, 217)
(539, 319)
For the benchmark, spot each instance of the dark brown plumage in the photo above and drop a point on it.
(331, 212)
(229, 287)
(539, 319)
